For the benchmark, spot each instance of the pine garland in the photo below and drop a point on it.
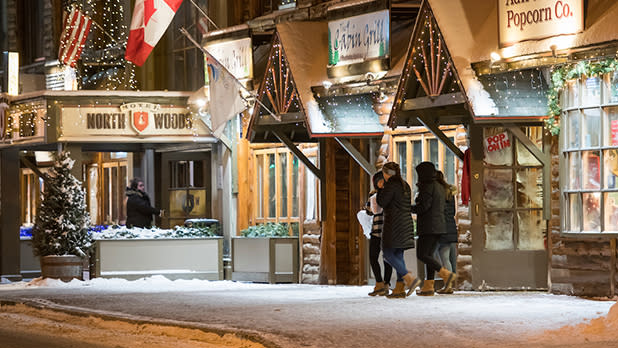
(62, 221)
(558, 79)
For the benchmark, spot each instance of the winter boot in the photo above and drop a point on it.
(445, 290)
(448, 277)
(427, 289)
(398, 292)
(379, 289)
(386, 289)
(411, 283)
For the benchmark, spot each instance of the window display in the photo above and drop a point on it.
(590, 149)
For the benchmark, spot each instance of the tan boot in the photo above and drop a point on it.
(411, 283)
(427, 289)
(387, 289)
(398, 292)
(379, 289)
(445, 291)
(448, 277)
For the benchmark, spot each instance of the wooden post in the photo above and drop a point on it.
(244, 191)
(328, 199)
(612, 267)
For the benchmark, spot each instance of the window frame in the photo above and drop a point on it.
(573, 104)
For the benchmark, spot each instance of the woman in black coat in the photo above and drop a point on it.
(395, 196)
(429, 210)
(447, 245)
(139, 210)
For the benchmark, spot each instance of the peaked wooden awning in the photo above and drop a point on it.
(295, 63)
(430, 89)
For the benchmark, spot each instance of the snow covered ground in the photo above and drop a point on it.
(295, 315)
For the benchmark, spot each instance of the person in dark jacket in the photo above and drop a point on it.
(395, 198)
(447, 244)
(375, 242)
(139, 210)
(429, 210)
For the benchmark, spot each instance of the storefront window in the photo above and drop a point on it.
(410, 150)
(590, 149)
(277, 180)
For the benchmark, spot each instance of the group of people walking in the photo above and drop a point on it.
(393, 230)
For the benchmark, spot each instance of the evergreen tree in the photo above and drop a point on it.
(62, 221)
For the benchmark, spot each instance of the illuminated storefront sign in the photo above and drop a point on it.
(521, 20)
(236, 56)
(143, 119)
(356, 39)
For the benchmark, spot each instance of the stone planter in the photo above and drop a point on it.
(63, 267)
(29, 264)
(265, 259)
(174, 258)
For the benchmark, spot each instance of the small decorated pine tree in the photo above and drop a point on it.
(62, 221)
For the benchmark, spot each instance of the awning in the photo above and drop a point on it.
(349, 115)
(430, 89)
(297, 61)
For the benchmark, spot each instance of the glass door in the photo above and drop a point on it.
(508, 247)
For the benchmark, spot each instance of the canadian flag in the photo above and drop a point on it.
(150, 20)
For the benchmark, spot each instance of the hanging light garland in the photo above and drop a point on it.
(561, 75)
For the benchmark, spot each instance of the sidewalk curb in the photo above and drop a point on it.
(253, 336)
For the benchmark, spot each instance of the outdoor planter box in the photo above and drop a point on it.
(265, 259)
(174, 258)
(29, 264)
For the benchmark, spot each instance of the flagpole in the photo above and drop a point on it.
(204, 14)
(105, 32)
(186, 33)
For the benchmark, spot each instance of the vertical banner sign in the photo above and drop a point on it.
(520, 20)
(13, 69)
(356, 39)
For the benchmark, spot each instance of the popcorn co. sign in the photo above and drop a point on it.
(520, 20)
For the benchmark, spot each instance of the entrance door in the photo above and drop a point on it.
(186, 187)
(508, 228)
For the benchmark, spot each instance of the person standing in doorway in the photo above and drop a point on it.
(447, 244)
(375, 242)
(139, 210)
(429, 210)
(395, 197)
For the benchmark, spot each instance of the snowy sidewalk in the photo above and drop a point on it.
(297, 315)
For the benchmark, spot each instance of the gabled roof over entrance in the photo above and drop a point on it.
(297, 61)
(430, 87)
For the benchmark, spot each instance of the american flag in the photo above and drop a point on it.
(74, 35)
(202, 25)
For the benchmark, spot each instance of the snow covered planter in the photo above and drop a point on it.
(265, 254)
(60, 234)
(181, 253)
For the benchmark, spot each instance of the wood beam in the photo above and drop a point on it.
(356, 155)
(433, 128)
(432, 102)
(33, 167)
(545, 160)
(301, 156)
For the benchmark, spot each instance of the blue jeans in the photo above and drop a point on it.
(394, 256)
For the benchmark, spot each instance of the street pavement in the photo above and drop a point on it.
(332, 316)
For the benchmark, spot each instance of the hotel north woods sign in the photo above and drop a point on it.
(520, 20)
(143, 119)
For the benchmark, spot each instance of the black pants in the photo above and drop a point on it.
(374, 253)
(425, 252)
